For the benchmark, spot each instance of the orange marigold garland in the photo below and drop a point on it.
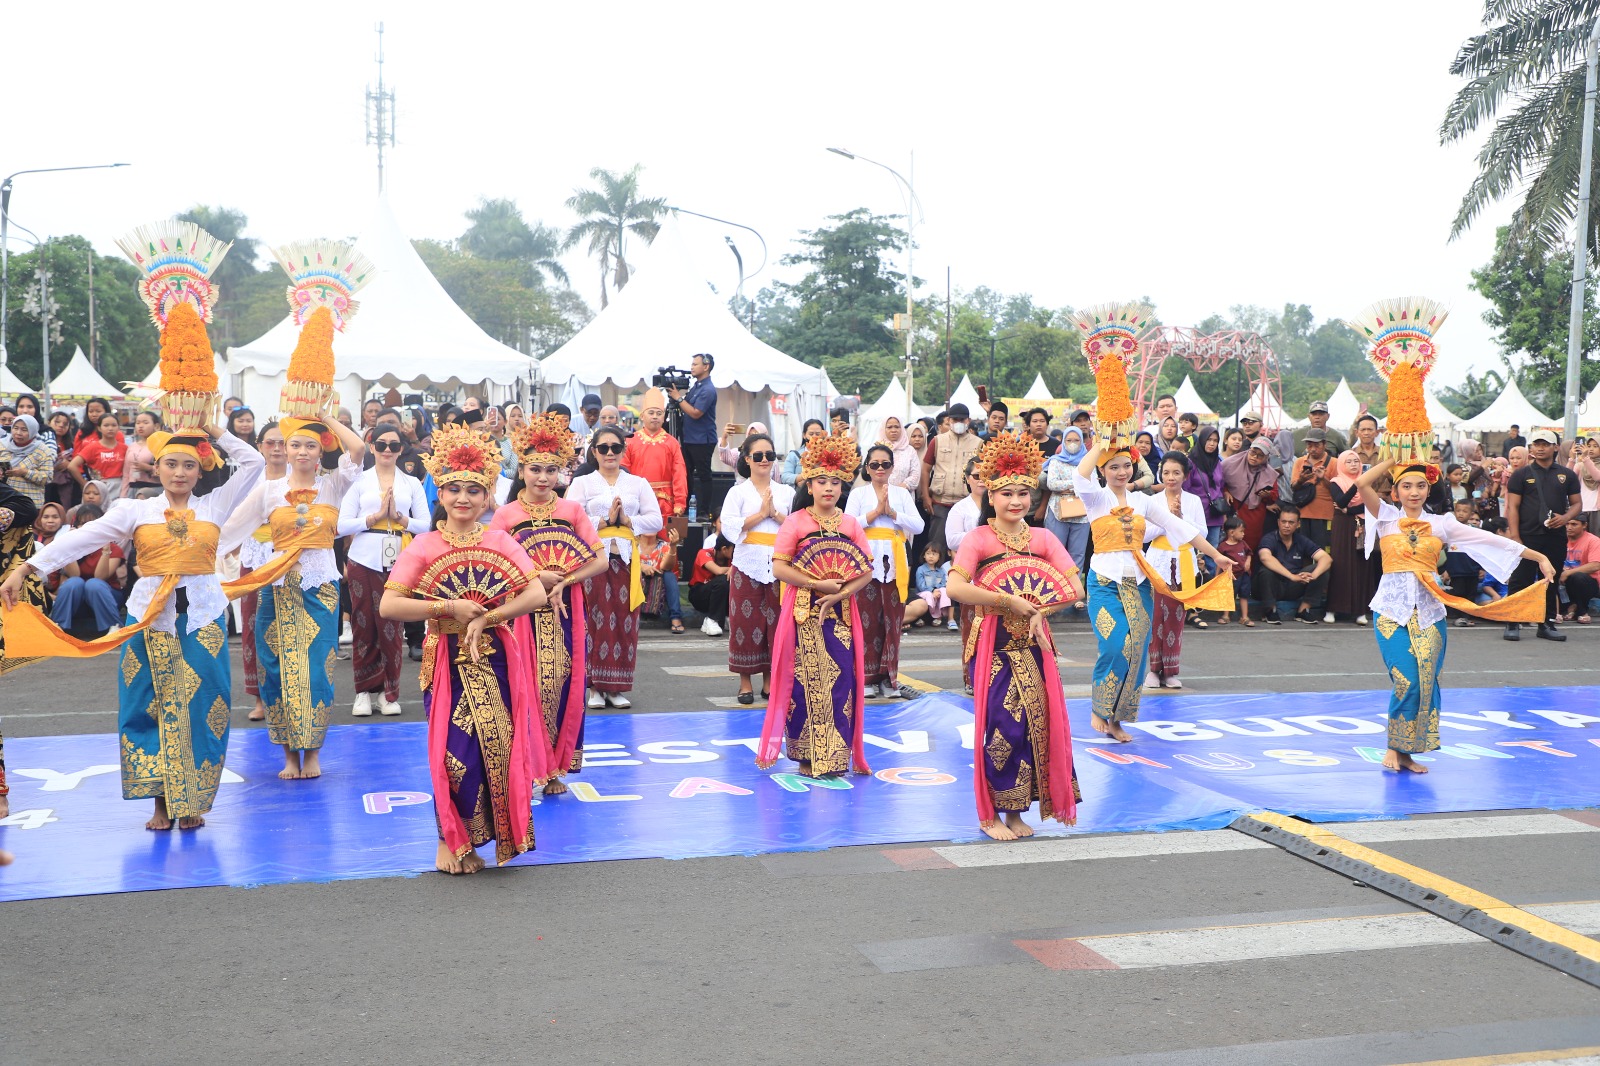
(1010, 459)
(1110, 340)
(1401, 333)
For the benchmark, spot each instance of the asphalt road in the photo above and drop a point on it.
(898, 954)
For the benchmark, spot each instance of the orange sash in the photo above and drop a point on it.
(1123, 531)
(1415, 550)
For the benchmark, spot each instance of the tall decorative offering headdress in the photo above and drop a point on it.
(1010, 459)
(544, 440)
(324, 276)
(1401, 332)
(1110, 340)
(462, 454)
(177, 260)
(835, 455)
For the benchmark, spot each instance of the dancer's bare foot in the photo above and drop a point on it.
(194, 822)
(472, 863)
(554, 787)
(159, 820)
(258, 713)
(1015, 823)
(445, 861)
(1399, 760)
(5, 858)
(1111, 729)
(291, 765)
(997, 831)
(805, 767)
(310, 765)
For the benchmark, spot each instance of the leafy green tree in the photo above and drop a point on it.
(1530, 59)
(1474, 395)
(498, 231)
(127, 343)
(848, 294)
(607, 215)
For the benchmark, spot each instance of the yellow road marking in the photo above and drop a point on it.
(1512, 1058)
(1497, 909)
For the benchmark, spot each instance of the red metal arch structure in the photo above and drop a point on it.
(1207, 352)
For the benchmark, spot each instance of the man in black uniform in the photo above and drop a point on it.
(1540, 497)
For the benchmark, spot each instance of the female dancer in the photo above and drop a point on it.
(623, 507)
(486, 746)
(254, 552)
(380, 514)
(1120, 597)
(817, 674)
(1016, 575)
(297, 623)
(890, 517)
(175, 677)
(561, 541)
(1177, 567)
(17, 515)
(752, 514)
(1355, 577)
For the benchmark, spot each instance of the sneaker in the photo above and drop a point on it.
(1513, 631)
(1173, 682)
(1152, 681)
(872, 692)
(594, 701)
(1362, 620)
(619, 700)
(710, 628)
(1327, 618)
(954, 626)
(1273, 620)
(363, 705)
(1306, 617)
(1460, 623)
(389, 708)
(345, 636)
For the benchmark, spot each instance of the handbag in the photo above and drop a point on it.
(1221, 507)
(1068, 505)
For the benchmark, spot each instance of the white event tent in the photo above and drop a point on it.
(10, 384)
(81, 382)
(892, 402)
(1343, 408)
(407, 332)
(665, 315)
(1444, 420)
(1038, 390)
(1510, 408)
(1190, 402)
(1271, 412)
(968, 395)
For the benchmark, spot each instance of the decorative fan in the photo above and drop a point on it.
(553, 547)
(476, 574)
(1029, 578)
(832, 557)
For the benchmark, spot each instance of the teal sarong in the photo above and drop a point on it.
(172, 715)
(297, 633)
(1414, 655)
(1120, 614)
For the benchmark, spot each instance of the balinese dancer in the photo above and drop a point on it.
(297, 623)
(889, 515)
(1408, 611)
(559, 538)
(822, 556)
(176, 679)
(254, 552)
(1123, 583)
(17, 512)
(487, 751)
(752, 514)
(1179, 568)
(623, 507)
(1016, 576)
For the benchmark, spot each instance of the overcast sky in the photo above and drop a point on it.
(1203, 155)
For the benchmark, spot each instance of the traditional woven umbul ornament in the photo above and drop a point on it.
(1110, 342)
(177, 260)
(1400, 332)
(324, 276)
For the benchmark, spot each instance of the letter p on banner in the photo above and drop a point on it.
(384, 802)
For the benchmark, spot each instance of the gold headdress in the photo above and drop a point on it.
(1110, 341)
(1401, 333)
(832, 456)
(1009, 459)
(462, 454)
(177, 259)
(545, 439)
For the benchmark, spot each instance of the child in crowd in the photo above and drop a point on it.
(658, 565)
(1461, 571)
(931, 576)
(1235, 548)
(708, 582)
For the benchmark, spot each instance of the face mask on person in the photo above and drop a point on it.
(958, 428)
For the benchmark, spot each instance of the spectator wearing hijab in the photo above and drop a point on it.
(28, 462)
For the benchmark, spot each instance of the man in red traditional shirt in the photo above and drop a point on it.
(655, 455)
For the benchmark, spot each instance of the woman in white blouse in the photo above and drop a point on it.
(890, 517)
(622, 507)
(1175, 562)
(381, 512)
(254, 551)
(752, 514)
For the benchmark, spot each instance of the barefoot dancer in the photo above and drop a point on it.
(1015, 575)
(889, 515)
(752, 514)
(1408, 612)
(1123, 582)
(558, 536)
(487, 749)
(817, 674)
(253, 553)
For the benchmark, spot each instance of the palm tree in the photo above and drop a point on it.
(606, 215)
(498, 231)
(1530, 57)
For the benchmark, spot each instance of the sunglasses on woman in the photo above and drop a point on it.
(880, 464)
(388, 446)
(762, 457)
(608, 449)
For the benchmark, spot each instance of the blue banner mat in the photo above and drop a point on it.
(682, 785)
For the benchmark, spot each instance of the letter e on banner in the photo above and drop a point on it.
(384, 802)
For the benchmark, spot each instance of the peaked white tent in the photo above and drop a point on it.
(1589, 412)
(1271, 412)
(892, 402)
(968, 395)
(664, 316)
(10, 384)
(1442, 417)
(1509, 408)
(407, 332)
(1189, 401)
(80, 381)
(1343, 408)
(1038, 390)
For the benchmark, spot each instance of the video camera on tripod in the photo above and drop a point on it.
(668, 379)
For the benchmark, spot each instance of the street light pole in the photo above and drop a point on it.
(1580, 246)
(5, 226)
(913, 208)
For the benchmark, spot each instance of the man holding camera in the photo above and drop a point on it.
(699, 407)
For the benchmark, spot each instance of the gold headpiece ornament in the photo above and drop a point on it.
(462, 454)
(1010, 459)
(545, 439)
(1401, 331)
(1110, 342)
(832, 456)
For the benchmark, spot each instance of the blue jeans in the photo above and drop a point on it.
(77, 591)
(669, 581)
(1074, 537)
(1214, 538)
